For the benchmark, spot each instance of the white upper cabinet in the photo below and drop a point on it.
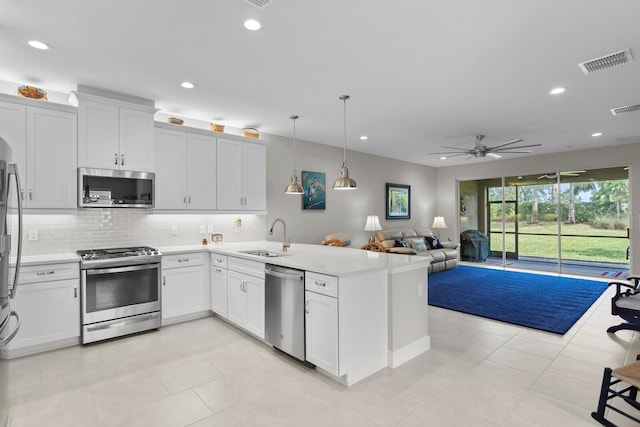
(51, 164)
(44, 143)
(114, 134)
(242, 174)
(185, 170)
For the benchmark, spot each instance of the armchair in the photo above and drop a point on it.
(626, 304)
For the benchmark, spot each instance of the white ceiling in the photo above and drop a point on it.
(421, 74)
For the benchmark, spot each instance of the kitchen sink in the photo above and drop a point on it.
(262, 252)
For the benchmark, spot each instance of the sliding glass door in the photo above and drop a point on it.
(572, 222)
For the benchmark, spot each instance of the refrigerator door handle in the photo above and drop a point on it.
(13, 333)
(13, 170)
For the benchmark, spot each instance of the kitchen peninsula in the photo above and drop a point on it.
(379, 301)
(364, 310)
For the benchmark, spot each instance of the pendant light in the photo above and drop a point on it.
(344, 182)
(294, 187)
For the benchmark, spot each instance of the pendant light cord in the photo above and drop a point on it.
(294, 117)
(344, 153)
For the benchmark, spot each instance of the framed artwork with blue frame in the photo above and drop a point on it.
(314, 186)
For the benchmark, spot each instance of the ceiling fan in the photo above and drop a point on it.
(554, 175)
(481, 150)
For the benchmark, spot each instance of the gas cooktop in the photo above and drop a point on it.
(119, 256)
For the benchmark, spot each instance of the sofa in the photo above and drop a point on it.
(421, 242)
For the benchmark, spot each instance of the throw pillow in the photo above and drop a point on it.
(433, 243)
(418, 245)
(400, 244)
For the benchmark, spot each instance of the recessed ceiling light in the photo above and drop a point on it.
(443, 158)
(557, 90)
(364, 137)
(252, 24)
(37, 44)
(596, 134)
(187, 85)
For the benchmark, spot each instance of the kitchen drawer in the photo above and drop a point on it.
(183, 260)
(321, 283)
(252, 268)
(47, 272)
(218, 260)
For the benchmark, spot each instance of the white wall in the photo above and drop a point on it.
(622, 155)
(345, 210)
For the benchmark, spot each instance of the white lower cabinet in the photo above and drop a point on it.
(184, 291)
(321, 326)
(246, 295)
(346, 324)
(48, 303)
(219, 287)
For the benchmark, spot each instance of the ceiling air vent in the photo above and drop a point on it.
(624, 110)
(607, 61)
(261, 4)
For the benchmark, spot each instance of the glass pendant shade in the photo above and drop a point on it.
(345, 182)
(294, 187)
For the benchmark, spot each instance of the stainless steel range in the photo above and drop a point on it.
(120, 290)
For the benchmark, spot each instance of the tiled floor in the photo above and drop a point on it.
(205, 373)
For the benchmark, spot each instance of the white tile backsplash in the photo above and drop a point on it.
(104, 228)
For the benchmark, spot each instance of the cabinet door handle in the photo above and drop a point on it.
(75, 291)
(306, 306)
(122, 159)
(323, 284)
(164, 281)
(183, 260)
(218, 270)
(115, 159)
(30, 194)
(189, 199)
(22, 194)
(184, 200)
(44, 273)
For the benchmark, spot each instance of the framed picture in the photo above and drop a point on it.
(315, 196)
(398, 201)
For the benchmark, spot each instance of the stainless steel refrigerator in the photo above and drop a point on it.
(9, 181)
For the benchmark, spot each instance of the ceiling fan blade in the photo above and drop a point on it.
(513, 152)
(505, 144)
(457, 155)
(519, 146)
(450, 152)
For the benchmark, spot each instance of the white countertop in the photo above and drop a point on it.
(335, 261)
(332, 260)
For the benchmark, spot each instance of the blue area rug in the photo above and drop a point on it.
(548, 303)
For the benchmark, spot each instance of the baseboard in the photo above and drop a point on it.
(38, 348)
(408, 352)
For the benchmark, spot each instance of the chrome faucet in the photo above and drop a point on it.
(285, 242)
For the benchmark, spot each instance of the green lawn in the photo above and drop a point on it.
(587, 248)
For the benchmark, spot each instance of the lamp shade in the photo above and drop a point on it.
(438, 222)
(373, 223)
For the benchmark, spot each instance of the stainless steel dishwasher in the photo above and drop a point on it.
(284, 310)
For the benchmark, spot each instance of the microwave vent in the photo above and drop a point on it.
(605, 62)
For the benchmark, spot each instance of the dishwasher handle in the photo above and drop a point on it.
(283, 273)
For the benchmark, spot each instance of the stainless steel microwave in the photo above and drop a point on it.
(106, 188)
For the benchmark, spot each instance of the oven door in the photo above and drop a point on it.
(113, 293)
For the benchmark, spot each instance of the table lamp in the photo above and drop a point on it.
(438, 223)
(373, 224)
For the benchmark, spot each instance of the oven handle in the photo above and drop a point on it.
(96, 271)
